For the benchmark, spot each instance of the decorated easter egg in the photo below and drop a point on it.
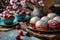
(51, 15)
(45, 18)
(57, 18)
(41, 25)
(53, 24)
(33, 20)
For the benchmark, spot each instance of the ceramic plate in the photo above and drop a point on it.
(49, 31)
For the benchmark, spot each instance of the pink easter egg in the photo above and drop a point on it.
(45, 18)
(53, 24)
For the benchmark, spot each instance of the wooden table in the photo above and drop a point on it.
(47, 36)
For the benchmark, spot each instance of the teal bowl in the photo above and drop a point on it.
(7, 20)
(19, 16)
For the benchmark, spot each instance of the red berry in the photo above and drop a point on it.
(17, 26)
(23, 11)
(18, 11)
(20, 32)
(5, 16)
(10, 16)
(17, 36)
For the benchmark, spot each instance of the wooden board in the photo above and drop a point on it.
(3, 29)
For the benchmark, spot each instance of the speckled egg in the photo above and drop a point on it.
(57, 18)
(45, 18)
(33, 20)
(41, 25)
(51, 15)
(53, 24)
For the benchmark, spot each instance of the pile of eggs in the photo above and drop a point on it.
(51, 21)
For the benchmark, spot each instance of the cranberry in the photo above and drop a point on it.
(20, 32)
(5, 16)
(18, 11)
(10, 16)
(17, 27)
(17, 36)
(23, 11)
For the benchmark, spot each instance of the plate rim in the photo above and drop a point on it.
(44, 31)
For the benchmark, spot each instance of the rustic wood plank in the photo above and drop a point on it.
(5, 29)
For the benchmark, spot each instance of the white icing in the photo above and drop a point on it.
(51, 14)
(34, 19)
(52, 21)
(45, 18)
(41, 23)
(57, 18)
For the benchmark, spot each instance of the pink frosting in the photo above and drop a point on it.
(53, 24)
